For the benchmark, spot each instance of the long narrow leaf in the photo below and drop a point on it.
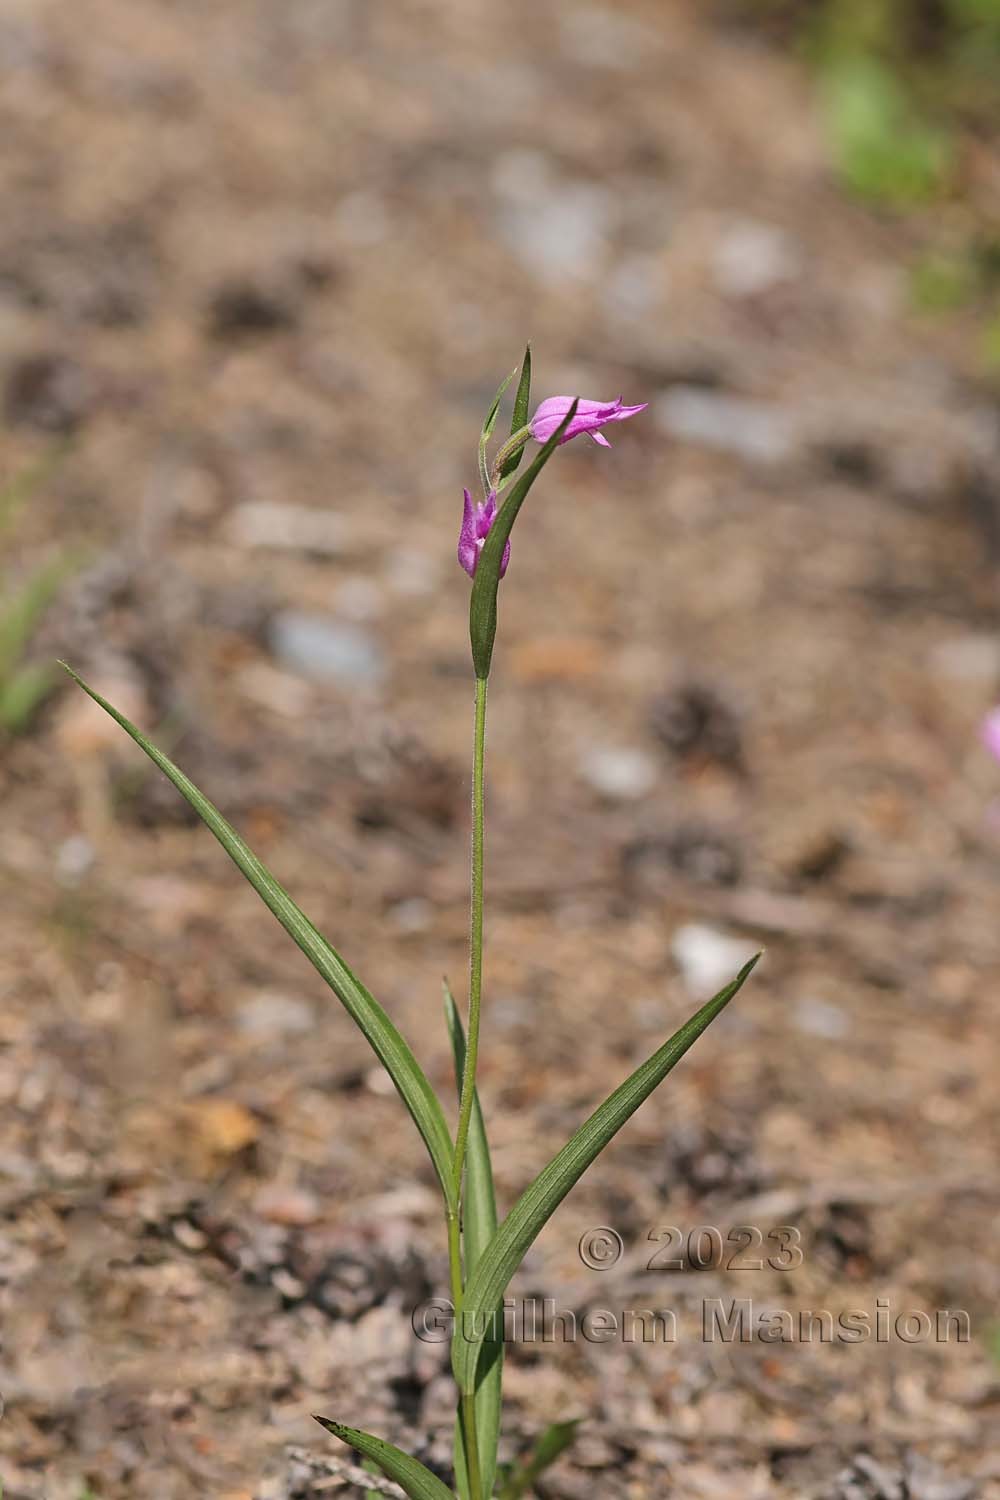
(479, 1223)
(522, 401)
(386, 1041)
(483, 601)
(418, 1481)
(538, 1202)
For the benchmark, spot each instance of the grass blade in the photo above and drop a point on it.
(25, 609)
(538, 1202)
(386, 1041)
(553, 1441)
(479, 1223)
(487, 432)
(418, 1481)
(520, 418)
(23, 693)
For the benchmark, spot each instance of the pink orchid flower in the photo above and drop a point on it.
(590, 417)
(476, 522)
(991, 732)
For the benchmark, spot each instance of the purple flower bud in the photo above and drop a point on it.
(590, 417)
(476, 522)
(991, 732)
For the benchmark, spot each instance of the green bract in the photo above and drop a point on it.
(483, 601)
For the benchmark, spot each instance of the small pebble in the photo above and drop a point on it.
(621, 774)
(601, 37)
(280, 1204)
(634, 286)
(413, 915)
(820, 1018)
(270, 1013)
(74, 857)
(968, 658)
(325, 649)
(750, 258)
(749, 429)
(556, 226)
(287, 528)
(708, 959)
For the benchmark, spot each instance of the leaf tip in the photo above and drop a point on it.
(335, 1427)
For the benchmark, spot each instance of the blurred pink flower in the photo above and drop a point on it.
(991, 732)
(590, 417)
(476, 522)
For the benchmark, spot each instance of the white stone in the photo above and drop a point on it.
(967, 658)
(820, 1018)
(731, 424)
(600, 37)
(750, 258)
(325, 649)
(271, 1013)
(74, 858)
(287, 528)
(708, 959)
(557, 226)
(622, 773)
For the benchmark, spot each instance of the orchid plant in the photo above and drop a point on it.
(483, 1251)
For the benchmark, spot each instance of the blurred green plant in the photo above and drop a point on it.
(910, 96)
(899, 80)
(884, 148)
(24, 685)
(519, 1479)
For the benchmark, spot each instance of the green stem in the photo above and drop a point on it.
(455, 1259)
(475, 940)
(467, 1409)
(471, 1442)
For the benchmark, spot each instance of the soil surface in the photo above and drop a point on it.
(262, 267)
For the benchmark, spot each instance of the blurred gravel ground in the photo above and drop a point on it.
(261, 268)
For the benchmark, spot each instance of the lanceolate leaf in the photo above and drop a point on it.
(520, 418)
(418, 1481)
(479, 1222)
(538, 1202)
(483, 602)
(386, 1041)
